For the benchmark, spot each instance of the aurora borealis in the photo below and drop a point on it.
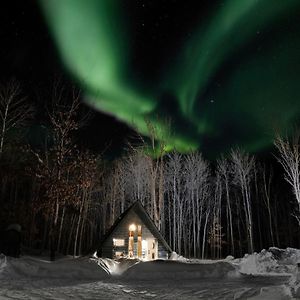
(228, 78)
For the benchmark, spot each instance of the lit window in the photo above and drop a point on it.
(119, 242)
(119, 254)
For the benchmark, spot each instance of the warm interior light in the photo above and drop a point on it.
(132, 227)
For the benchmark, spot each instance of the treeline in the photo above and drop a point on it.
(47, 186)
(234, 206)
(66, 197)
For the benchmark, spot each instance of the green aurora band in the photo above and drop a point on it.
(231, 83)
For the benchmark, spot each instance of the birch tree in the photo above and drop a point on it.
(157, 171)
(223, 170)
(173, 186)
(138, 172)
(196, 179)
(153, 159)
(289, 158)
(242, 169)
(266, 183)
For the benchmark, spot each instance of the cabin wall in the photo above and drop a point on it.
(122, 232)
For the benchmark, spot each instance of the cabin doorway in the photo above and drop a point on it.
(135, 241)
(149, 249)
(139, 247)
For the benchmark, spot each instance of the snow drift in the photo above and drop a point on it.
(115, 267)
(272, 261)
(68, 268)
(270, 274)
(164, 269)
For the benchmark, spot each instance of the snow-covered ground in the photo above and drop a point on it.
(271, 274)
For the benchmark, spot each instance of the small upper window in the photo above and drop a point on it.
(118, 242)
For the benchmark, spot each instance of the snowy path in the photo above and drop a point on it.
(265, 287)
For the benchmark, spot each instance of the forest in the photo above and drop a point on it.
(66, 196)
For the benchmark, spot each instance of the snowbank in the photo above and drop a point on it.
(272, 261)
(166, 269)
(77, 269)
(178, 278)
(288, 256)
(115, 267)
(177, 257)
(177, 267)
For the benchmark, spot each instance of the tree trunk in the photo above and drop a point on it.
(230, 216)
(204, 233)
(70, 234)
(84, 217)
(60, 229)
(79, 223)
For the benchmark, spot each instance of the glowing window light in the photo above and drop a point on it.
(132, 227)
(118, 242)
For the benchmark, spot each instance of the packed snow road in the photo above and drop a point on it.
(261, 287)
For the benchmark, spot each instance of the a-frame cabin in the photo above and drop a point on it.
(134, 235)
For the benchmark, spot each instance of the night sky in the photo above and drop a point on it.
(223, 73)
(28, 54)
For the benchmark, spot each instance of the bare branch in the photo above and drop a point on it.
(15, 111)
(289, 158)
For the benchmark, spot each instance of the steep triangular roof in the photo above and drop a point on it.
(139, 209)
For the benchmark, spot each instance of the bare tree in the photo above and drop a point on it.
(242, 169)
(56, 164)
(15, 111)
(223, 169)
(266, 182)
(154, 153)
(289, 158)
(157, 166)
(196, 180)
(218, 218)
(85, 176)
(173, 185)
(138, 172)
